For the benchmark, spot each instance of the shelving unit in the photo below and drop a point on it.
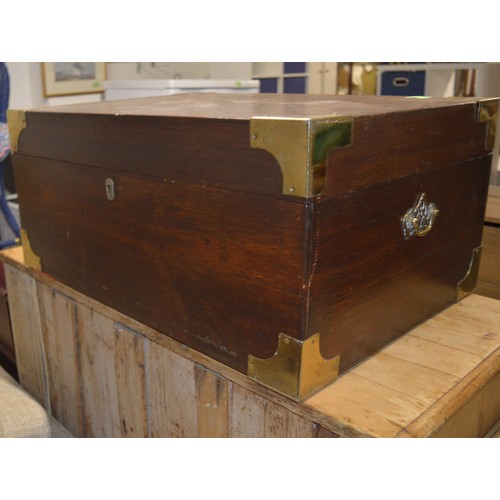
(296, 77)
(439, 77)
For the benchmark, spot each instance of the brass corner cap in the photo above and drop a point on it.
(296, 370)
(16, 120)
(31, 259)
(487, 112)
(467, 285)
(300, 146)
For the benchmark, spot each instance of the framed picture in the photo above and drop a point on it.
(65, 78)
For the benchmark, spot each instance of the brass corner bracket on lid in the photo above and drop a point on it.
(31, 259)
(488, 113)
(16, 120)
(300, 146)
(296, 370)
(467, 285)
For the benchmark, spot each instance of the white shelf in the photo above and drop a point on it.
(428, 66)
(440, 77)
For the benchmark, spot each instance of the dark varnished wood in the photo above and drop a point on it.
(388, 148)
(222, 272)
(193, 151)
(201, 244)
(369, 285)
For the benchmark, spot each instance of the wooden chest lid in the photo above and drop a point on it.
(313, 139)
(247, 106)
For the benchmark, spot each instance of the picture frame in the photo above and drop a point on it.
(69, 78)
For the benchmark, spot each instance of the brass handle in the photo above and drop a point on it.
(420, 219)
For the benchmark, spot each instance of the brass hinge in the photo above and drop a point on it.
(300, 146)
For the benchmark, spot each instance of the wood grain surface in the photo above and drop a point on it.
(26, 323)
(489, 270)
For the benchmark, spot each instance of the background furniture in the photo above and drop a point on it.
(489, 271)
(21, 416)
(102, 374)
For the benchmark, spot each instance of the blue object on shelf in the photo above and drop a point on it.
(268, 85)
(294, 67)
(403, 83)
(294, 85)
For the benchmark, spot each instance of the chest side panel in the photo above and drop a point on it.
(370, 284)
(221, 271)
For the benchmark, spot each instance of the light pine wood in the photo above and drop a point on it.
(488, 290)
(27, 333)
(61, 348)
(477, 416)
(488, 283)
(171, 394)
(247, 411)
(212, 393)
(489, 269)
(493, 205)
(113, 377)
(469, 409)
(276, 421)
(355, 406)
(423, 384)
(298, 427)
(440, 379)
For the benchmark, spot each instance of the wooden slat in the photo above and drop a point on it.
(477, 416)
(489, 270)
(113, 380)
(494, 432)
(454, 408)
(27, 333)
(172, 393)
(298, 427)
(472, 325)
(61, 350)
(493, 205)
(213, 404)
(488, 290)
(275, 421)
(359, 407)
(425, 353)
(247, 413)
(421, 383)
(324, 433)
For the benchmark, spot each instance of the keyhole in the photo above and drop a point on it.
(110, 189)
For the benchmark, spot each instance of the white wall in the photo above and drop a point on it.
(165, 70)
(26, 88)
(190, 70)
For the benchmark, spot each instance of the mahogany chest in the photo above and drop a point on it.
(288, 236)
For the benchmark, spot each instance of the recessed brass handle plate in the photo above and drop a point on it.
(419, 219)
